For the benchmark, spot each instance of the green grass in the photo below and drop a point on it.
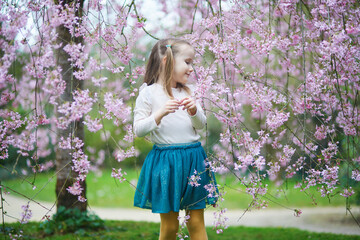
(105, 191)
(128, 230)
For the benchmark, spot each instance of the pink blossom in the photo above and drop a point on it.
(273, 170)
(276, 119)
(320, 132)
(75, 110)
(286, 157)
(348, 192)
(75, 189)
(118, 174)
(76, 52)
(356, 175)
(80, 162)
(194, 179)
(26, 214)
(98, 81)
(116, 108)
(330, 151)
(183, 223)
(93, 125)
(129, 137)
(45, 166)
(249, 31)
(297, 212)
(121, 155)
(353, 30)
(220, 220)
(16, 236)
(81, 199)
(211, 189)
(54, 85)
(295, 39)
(140, 24)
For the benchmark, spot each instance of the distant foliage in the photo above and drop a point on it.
(71, 221)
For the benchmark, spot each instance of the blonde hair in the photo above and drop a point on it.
(168, 48)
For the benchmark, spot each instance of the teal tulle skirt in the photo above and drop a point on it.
(175, 177)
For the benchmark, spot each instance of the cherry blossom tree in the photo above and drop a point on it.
(282, 78)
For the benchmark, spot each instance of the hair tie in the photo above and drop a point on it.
(168, 46)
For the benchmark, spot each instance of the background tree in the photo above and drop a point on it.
(66, 177)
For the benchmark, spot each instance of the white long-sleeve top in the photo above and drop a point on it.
(177, 127)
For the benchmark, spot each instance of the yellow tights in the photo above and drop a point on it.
(170, 225)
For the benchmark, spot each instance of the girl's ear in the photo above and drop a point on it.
(164, 60)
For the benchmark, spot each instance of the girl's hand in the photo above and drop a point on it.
(190, 105)
(170, 107)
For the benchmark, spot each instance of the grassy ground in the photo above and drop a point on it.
(105, 191)
(143, 230)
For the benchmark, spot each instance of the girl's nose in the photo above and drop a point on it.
(191, 69)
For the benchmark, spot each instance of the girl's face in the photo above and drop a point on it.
(182, 67)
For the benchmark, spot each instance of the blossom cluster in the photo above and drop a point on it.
(118, 174)
(26, 214)
(80, 163)
(284, 91)
(220, 220)
(180, 234)
(194, 179)
(75, 110)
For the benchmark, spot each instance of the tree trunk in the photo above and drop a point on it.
(65, 175)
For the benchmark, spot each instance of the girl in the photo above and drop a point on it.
(165, 110)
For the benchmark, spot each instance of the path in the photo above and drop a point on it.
(332, 220)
